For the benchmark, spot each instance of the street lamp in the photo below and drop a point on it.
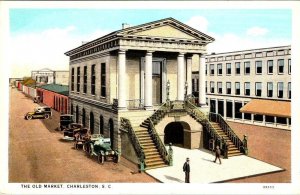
(185, 87)
(168, 91)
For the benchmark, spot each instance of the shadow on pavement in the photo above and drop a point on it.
(173, 179)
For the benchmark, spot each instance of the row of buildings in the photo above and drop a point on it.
(131, 74)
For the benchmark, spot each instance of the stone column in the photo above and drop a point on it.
(202, 95)
(180, 76)
(122, 80)
(148, 80)
(264, 119)
(233, 110)
(189, 74)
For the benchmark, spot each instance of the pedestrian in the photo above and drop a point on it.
(218, 154)
(186, 169)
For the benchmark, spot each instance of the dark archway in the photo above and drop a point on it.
(83, 117)
(92, 122)
(174, 133)
(111, 132)
(77, 114)
(101, 125)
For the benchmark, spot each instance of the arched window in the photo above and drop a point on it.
(92, 122)
(83, 117)
(77, 114)
(101, 125)
(111, 132)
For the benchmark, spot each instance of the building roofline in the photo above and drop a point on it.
(209, 55)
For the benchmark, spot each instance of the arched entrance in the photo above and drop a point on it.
(111, 132)
(174, 133)
(92, 122)
(101, 126)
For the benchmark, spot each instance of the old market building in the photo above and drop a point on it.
(131, 85)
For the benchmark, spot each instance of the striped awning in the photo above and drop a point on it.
(268, 107)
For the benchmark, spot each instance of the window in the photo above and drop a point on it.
(228, 68)
(270, 66)
(280, 89)
(289, 90)
(193, 85)
(205, 69)
(258, 65)
(212, 87)
(228, 88)
(258, 89)
(78, 79)
(93, 80)
(280, 66)
(219, 69)
(72, 80)
(270, 89)
(103, 79)
(84, 79)
(247, 67)
(237, 88)
(237, 68)
(247, 88)
(205, 86)
(289, 64)
(219, 84)
(212, 70)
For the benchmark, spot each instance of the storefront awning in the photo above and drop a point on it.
(268, 107)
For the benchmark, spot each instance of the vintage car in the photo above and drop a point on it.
(81, 137)
(69, 133)
(65, 121)
(101, 147)
(39, 112)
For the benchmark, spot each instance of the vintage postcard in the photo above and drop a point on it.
(142, 97)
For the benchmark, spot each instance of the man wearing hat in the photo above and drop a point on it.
(218, 154)
(186, 169)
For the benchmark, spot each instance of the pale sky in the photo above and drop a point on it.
(40, 37)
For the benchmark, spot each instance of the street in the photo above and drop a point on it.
(37, 152)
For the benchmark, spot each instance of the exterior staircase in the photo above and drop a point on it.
(232, 149)
(152, 157)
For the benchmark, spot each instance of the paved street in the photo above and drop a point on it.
(38, 154)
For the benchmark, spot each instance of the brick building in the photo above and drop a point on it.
(55, 96)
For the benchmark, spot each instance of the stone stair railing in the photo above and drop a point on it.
(241, 145)
(193, 110)
(155, 117)
(126, 125)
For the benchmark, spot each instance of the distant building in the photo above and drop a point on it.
(257, 78)
(49, 76)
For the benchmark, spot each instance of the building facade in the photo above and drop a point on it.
(48, 76)
(235, 78)
(130, 74)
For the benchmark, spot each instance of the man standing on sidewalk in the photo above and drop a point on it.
(218, 154)
(186, 169)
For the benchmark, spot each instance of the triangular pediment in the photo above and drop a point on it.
(166, 28)
(165, 31)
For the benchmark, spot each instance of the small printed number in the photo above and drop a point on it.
(268, 187)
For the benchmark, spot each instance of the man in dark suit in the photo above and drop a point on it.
(218, 154)
(186, 169)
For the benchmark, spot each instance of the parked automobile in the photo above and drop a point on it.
(101, 147)
(39, 112)
(69, 133)
(65, 121)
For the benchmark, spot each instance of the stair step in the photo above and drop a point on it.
(151, 153)
(150, 149)
(143, 136)
(156, 166)
(233, 151)
(147, 144)
(155, 159)
(146, 141)
(151, 164)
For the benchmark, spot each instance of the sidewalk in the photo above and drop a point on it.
(204, 170)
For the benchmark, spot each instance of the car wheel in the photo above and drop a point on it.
(100, 159)
(28, 117)
(46, 116)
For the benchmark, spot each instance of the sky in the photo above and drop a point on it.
(40, 37)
